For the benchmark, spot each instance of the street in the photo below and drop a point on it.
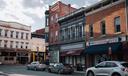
(20, 70)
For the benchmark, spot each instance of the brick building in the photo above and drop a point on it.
(55, 11)
(72, 37)
(106, 32)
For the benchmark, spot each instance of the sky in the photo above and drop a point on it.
(31, 12)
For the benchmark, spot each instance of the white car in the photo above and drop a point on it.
(36, 66)
(108, 68)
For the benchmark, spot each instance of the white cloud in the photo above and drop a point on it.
(16, 11)
(75, 6)
(90, 2)
(55, 1)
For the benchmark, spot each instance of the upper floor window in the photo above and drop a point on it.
(0, 43)
(103, 28)
(51, 18)
(17, 43)
(56, 16)
(22, 44)
(5, 43)
(17, 33)
(91, 30)
(26, 35)
(22, 35)
(11, 35)
(6, 33)
(117, 24)
(11, 44)
(0, 32)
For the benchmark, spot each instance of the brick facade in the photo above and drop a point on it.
(57, 10)
(108, 15)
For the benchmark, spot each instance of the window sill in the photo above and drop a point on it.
(117, 33)
(103, 35)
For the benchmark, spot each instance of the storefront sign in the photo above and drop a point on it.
(105, 41)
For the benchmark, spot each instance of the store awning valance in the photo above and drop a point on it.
(104, 48)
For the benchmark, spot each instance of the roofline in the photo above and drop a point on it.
(14, 22)
(82, 9)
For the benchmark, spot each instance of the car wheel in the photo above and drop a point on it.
(90, 74)
(49, 70)
(116, 74)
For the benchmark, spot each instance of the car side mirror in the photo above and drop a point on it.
(96, 66)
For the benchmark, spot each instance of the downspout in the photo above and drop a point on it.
(126, 20)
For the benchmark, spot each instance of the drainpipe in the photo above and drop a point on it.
(126, 1)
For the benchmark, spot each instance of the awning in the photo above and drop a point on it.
(72, 52)
(104, 48)
(63, 53)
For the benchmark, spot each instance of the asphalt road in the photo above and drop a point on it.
(20, 70)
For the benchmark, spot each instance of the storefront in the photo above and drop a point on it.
(14, 56)
(73, 57)
(37, 56)
(103, 52)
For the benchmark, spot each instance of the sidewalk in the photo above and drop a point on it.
(80, 72)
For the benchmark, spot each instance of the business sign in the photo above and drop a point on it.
(105, 41)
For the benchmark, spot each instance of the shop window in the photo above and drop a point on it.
(117, 24)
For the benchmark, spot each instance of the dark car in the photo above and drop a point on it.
(61, 68)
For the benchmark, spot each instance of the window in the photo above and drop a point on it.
(117, 24)
(110, 64)
(103, 28)
(102, 64)
(0, 43)
(11, 35)
(5, 43)
(6, 33)
(11, 44)
(51, 18)
(0, 32)
(22, 35)
(27, 45)
(22, 43)
(56, 16)
(17, 43)
(17, 33)
(26, 35)
(91, 30)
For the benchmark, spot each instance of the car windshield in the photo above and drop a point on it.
(125, 64)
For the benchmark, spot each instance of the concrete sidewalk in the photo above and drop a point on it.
(80, 72)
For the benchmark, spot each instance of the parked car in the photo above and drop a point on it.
(61, 68)
(36, 66)
(109, 68)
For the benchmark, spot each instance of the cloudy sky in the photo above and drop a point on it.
(31, 12)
